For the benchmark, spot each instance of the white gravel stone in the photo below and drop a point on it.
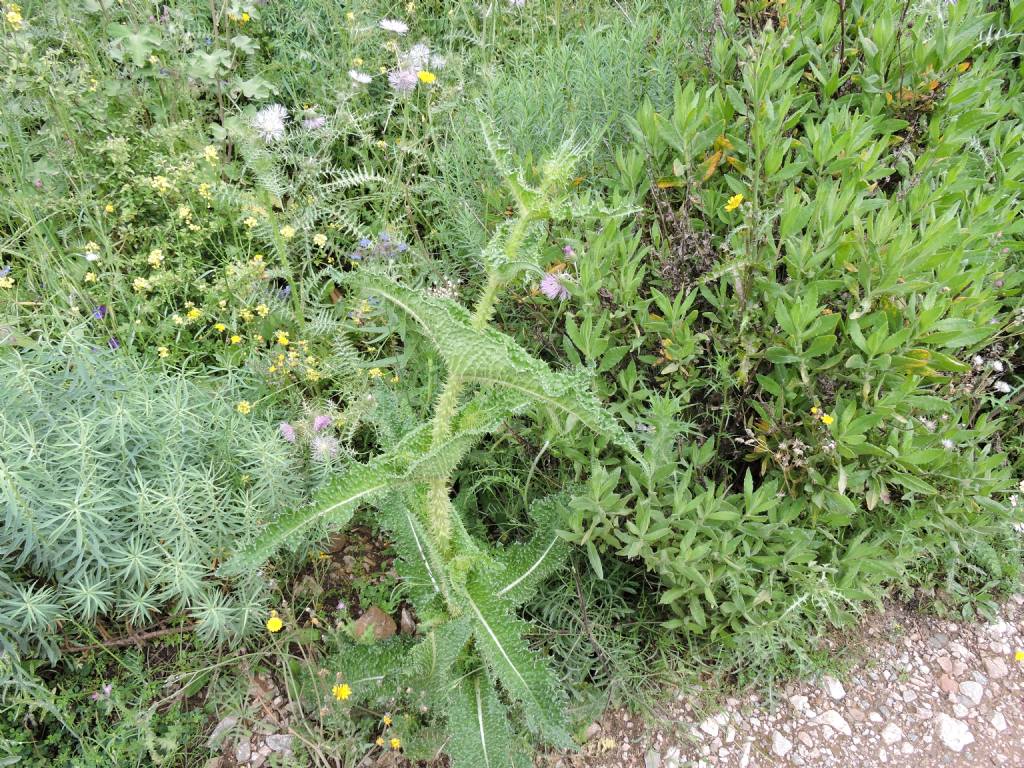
(834, 720)
(955, 734)
(973, 690)
(999, 722)
(780, 744)
(891, 734)
(834, 688)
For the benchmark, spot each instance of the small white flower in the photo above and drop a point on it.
(1002, 386)
(92, 256)
(417, 57)
(393, 25)
(996, 365)
(948, 444)
(360, 77)
(978, 361)
(269, 122)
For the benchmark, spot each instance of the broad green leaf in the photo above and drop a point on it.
(499, 638)
(480, 735)
(489, 357)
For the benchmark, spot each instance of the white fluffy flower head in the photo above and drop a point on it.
(269, 122)
(393, 25)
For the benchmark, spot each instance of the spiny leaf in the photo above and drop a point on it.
(526, 565)
(419, 564)
(489, 357)
(499, 638)
(480, 735)
(429, 665)
(334, 504)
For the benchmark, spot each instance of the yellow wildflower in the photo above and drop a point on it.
(184, 212)
(396, 743)
(375, 373)
(350, 17)
(380, 741)
(262, 310)
(827, 419)
(163, 351)
(245, 18)
(734, 202)
(14, 18)
(426, 77)
(250, 222)
(194, 314)
(287, 231)
(6, 282)
(90, 277)
(274, 623)
(236, 339)
(204, 191)
(282, 338)
(178, 319)
(154, 60)
(210, 153)
(141, 285)
(319, 239)
(156, 258)
(386, 720)
(341, 692)
(357, 62)
(1019, 656)
(815, 410)
(219, 327)
(243, 407)
(109, 208)
(246, 315)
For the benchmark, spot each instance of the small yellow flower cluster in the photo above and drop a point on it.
(363, 311)
(6, 282)
(244, 407)
(161, 184)
(155, 258)
(13, 16)
(825, 418)
(203, 190)
(240, 18)
(319, 239)
(287, 232)
(142, 285)
(296, 362)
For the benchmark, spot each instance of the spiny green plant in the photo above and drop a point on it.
(465, 590)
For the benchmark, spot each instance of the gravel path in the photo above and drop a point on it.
(927, 693)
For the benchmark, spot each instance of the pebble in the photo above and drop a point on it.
(954, 733)
(780, 744)
(972, 690)
(834, 688)
(892, 734)
(834, 720)
(999, 722)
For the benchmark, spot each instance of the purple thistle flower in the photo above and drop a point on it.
(113, 343)
(569, 252)
(364, 242)
(100, 312)
(314, 123)
(552, 287)
(287, 432)
(403, 81)
(321, 423)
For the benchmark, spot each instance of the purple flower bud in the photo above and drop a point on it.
(100, 312)
(321, 423)
(113, 343)
(568, 251)
(287, 431)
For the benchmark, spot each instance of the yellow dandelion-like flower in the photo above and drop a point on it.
(244, 18)
(109, 208)
(262, 310)
(287, 231)
(396, 743)
(426, 77)
(815, 410)
(163, 351)
(380, 741)
(342, 691)
(1019, 656)
(194, 314)
(281, 337)
(734, 202)
(155, 258)
(386, 720)
(236, 339)
(90, 277)
(220, 327)
(244, 407)
(827, 419)
(274, 623)
(319, 239)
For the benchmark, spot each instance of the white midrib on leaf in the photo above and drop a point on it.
(480, 721)
(423, 555)
(497, 642)
(530, 570)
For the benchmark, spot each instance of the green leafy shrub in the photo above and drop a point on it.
(121, 489)
(815, 326)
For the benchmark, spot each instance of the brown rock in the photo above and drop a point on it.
(948, 684)
(383, 625)
(407, 626)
